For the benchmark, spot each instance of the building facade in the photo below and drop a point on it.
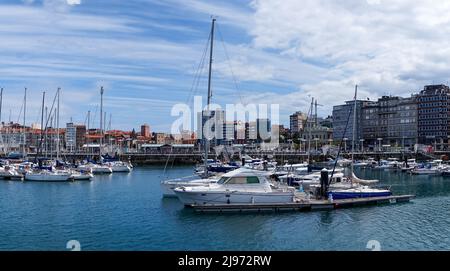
(297, 122)
(343, 118)
(390, 121)
(434, 115)
(145, 130)
(75, 136)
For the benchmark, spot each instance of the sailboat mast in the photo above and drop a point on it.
(42, 123)
(57, 127)
(209, 93)
(309, 130)
(1, 104)
(101, 123)
(24, 119)
(210, 63)
(354, 132)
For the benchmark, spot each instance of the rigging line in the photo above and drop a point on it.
(95, 114)
(20, 113)
(340, 143)
(200, 68)
(193, 90)
(198, 79)
(85, 119)
(229, 63)
(39, 151)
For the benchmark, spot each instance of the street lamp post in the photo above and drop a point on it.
(345, 145)
(304, 145)
(379, 143)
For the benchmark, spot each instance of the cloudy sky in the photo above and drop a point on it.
(146, 53)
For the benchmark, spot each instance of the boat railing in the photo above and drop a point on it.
(181, 179)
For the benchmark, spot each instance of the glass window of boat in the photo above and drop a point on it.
(252, 180)
(237, 180)
(222, 180)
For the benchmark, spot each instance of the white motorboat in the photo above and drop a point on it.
(48, 176)
(96, 169)
(238, 186)
(409, 165)
(119, 166)
(81, 175)
(9, 173)
(433, 168)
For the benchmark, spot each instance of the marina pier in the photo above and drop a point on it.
(301, 205)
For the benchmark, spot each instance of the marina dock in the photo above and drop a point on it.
(301, 205)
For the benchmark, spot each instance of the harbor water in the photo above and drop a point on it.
(127, 212)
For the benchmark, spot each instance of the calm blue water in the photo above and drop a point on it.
(127, 212)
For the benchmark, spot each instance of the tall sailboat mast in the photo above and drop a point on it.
(354, 132)
(24, 119)
(210, 63)
(1, 104)
(209, 94)
(308, 120)
(101, 123)
(57, 127)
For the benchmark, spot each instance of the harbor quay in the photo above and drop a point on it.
(191, 157)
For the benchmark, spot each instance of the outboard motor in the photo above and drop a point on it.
(243, 161)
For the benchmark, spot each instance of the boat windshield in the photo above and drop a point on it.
(239, 180)
(223, 180)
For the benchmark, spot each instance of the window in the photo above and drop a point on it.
(237, 180)
(223, 180)
(241, 180)
(252, 180)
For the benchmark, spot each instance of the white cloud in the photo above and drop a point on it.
(73, 2)
(388, 47)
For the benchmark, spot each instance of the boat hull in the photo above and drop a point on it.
(357, 195)
(198, 198)
(82, 177)
(124, 169)
(47, 178)
(101, 170)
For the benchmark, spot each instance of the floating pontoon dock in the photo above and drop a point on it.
(301, 205)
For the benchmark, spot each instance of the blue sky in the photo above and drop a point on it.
(145, 53)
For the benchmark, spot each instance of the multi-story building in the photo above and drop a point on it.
(75, 136)
(297, 122)
(343, 117)
(390, 121)
(317, 135)
(229, 128)
(211, 122)
(434, 115)
(145, 130)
